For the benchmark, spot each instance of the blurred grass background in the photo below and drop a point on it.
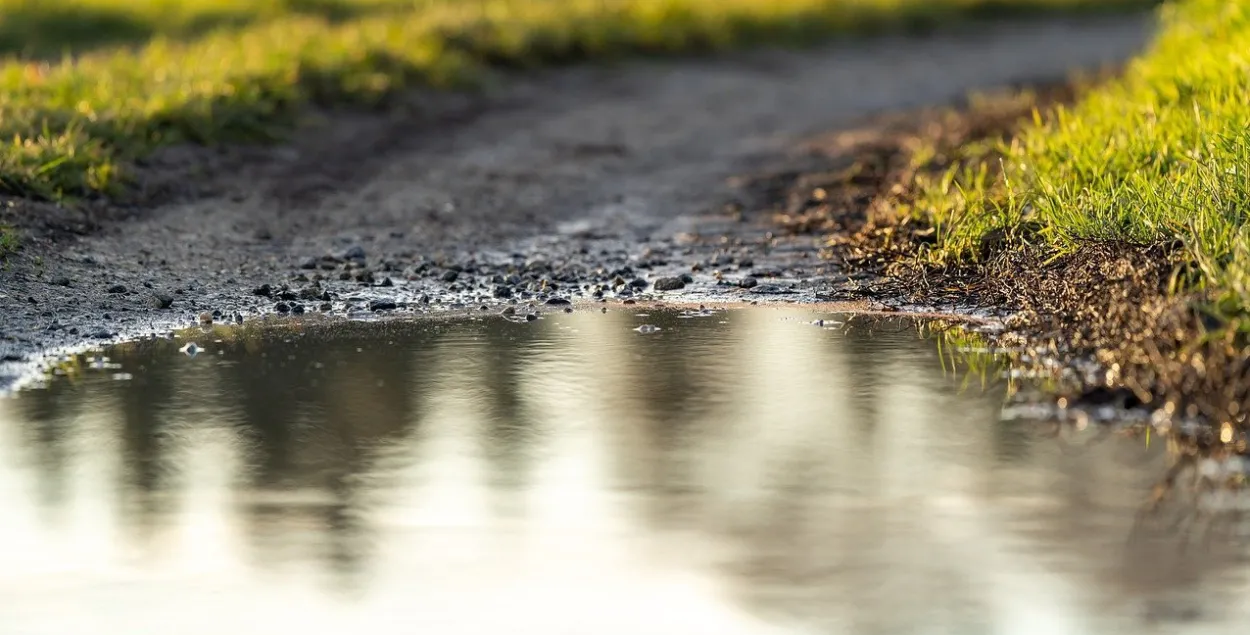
(88, 85)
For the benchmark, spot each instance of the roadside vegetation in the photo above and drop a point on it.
(1111, 215)
(1160, 155)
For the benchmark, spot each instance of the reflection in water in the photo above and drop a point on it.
(745, 472)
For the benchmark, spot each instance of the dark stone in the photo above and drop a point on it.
(310, 293)
(382, 305)
(531, 317)
(450, 276)
(386, 282)
(669, 284)
(558, 302)
(101, 335)
(687, 278)
(61, 281)
(287, 295)
(282, 307)
(747, 283)
(263, 290)
(117, 288)
(501, 291)
(161, 300)
(325, 307)
(354, 253)
(638, 283)
(308, 263)
(297, 309)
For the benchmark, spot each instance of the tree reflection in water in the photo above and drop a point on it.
(816, 475)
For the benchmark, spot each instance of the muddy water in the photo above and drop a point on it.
(740, 472)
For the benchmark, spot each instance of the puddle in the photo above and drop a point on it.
(750, 471)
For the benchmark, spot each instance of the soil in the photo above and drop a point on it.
(1117, 331)
(582, 184)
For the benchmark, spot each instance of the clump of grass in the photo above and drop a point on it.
(1160, 155)
(135, 76)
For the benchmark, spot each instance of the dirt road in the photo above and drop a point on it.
(559, 185)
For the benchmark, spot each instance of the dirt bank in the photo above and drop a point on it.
(591, 182)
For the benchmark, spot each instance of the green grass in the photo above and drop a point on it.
(89, 85)
(1161, 154)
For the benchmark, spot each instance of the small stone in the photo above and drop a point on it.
(282, 307)
(117, 288)
(61, 281)
(354, 253)
(206, 318)
(558, 302)
(310, 293)
(531, 317)
(638, 283)
(325, 307)
(450, 276)
(308, 263)
(263, 290)
(501, 291)
(297, 309)
(382, 305)
(386, 282)
(669, 284)
(687, 278)
(161, 301)
(747, 283)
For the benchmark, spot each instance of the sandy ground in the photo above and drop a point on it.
(558, 185)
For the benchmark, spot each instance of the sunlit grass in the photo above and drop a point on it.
(90, 85)
(1162, 154)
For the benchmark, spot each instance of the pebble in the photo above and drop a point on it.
(355, 252)
(161, 300)
(558, 302)
(206, 318)
(450, 276)
(282, 307)
(747, 283)
(117, 288)
(61, 281)
(669, 284)
(382, 305)
(263, 290)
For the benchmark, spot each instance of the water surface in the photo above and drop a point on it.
(742, 472)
